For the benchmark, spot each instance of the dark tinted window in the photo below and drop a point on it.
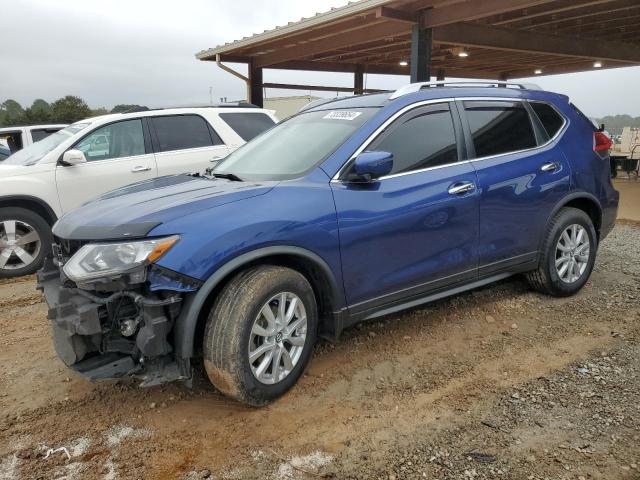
(41, 133)
(551, 120)
(248, 125)
(499, 127)
(420, 139)
(179, 132)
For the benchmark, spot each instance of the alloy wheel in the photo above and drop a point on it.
(277, 338)
(20, 244)
(572, 253)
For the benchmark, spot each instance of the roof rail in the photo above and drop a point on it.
(416, 87)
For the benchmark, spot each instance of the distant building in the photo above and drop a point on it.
(287, 106)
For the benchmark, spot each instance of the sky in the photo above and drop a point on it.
(143, 52)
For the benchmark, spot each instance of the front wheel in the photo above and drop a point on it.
(25, 237)
(260, 334)
(568, 254)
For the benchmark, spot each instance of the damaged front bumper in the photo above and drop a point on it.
(113, 332)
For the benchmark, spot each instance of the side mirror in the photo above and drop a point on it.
(73, 157)
(371, 165)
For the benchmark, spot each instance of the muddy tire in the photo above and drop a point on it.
(567, 256)
(260, 334)
(25, 239)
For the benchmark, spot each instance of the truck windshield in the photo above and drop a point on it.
(35, 152)
(293, 148)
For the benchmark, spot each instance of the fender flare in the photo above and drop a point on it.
(186, 324)
(28, 198)
(568, 198)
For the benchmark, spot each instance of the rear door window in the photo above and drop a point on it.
(181, 132)
(551, 120)
(40, 133)
(248, 125)
(422, 138)
(499, 127)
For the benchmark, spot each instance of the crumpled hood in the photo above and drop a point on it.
(134, 210)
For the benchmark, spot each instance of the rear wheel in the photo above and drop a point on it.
(260, 334)
(568, 254)
(25, 237)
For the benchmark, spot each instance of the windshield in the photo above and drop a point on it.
(34, 152)
(294, 147)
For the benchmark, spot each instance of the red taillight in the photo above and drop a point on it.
(601, 142)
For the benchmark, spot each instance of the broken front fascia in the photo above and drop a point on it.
(111, 329)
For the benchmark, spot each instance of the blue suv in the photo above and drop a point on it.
(353, 209)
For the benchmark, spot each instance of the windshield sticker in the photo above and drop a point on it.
(342, 115)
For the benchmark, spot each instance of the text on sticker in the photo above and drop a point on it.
(342, 115)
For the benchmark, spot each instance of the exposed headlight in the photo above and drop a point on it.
(100, 260)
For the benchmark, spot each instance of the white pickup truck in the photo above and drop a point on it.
(43, 181)
(16, 138)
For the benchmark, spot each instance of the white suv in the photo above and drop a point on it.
(84, 160)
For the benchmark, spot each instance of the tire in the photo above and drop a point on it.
(559, 281)
(18, 259)
(230, 334)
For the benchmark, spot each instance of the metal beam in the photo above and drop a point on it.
(421, 45)
(543, 11)
(358, 80)
(337, 42)
(475, 10)
(255, 80)
(468, 34)
(394, 14)
(288, 86)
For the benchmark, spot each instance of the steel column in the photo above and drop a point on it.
(255, 81)
(358, 80)
(421, 44)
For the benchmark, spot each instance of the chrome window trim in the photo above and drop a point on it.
(516, 152)
(379, 130)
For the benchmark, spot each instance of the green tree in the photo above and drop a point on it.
(39, 112)
(69, 109)
(96, 112)
(615, 123)
(126, 108)
(11, 113)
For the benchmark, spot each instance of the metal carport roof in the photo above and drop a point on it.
(489, 39)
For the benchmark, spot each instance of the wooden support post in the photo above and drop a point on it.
(421, 43)
(358, 80)
(255, 78)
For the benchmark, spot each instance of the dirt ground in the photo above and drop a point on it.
(630, 196)
(496, 383)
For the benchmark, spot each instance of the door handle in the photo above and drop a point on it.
(550, 167)
(140, 168)
(460, 188)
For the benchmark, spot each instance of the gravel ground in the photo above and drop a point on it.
(497, 383)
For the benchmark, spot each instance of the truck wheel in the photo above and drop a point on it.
(568, 254)
(260, 334)
(25, 238)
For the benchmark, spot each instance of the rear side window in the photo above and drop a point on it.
(248, 125)
(499, 127)
(551, 120)
(40, 133)
(422, 138)
(180, 132)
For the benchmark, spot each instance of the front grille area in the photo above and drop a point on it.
(67, 247)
